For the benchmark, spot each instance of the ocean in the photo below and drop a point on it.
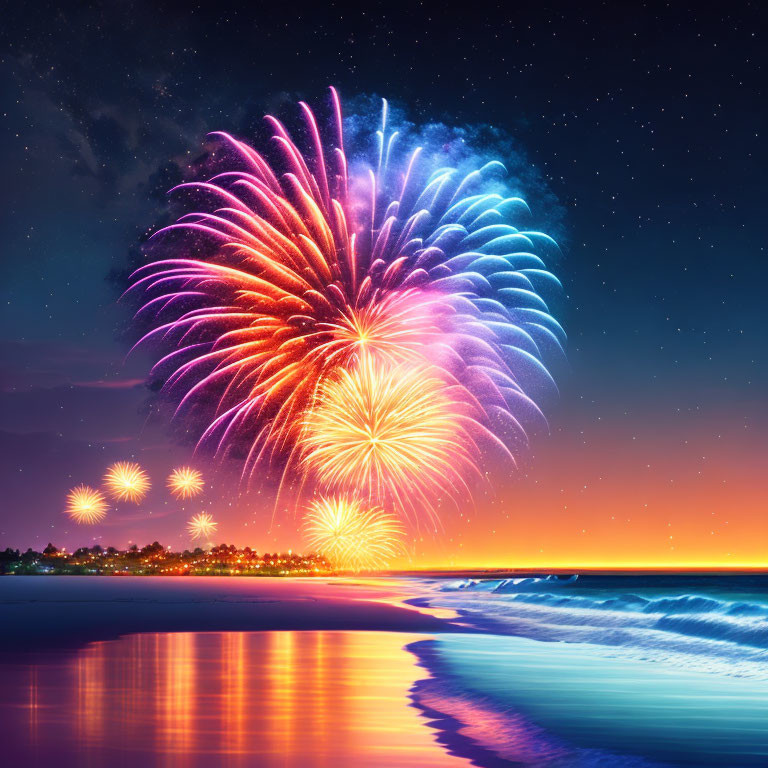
(603, 670)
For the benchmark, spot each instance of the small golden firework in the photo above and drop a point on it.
(126, 481)
(185, 482)
(202, 526)
(350, 535)
(86, 505)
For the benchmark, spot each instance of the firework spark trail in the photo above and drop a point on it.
(126, 481)
(351, 536)
(86, 505)
(185, 482)
(299, 273)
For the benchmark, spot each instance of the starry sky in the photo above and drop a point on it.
(646, 123)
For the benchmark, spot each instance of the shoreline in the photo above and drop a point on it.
(427, 573)
(497, 687)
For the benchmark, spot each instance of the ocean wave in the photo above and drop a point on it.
(700, 631)
(523, 584)
(753, 633)
(537, 590)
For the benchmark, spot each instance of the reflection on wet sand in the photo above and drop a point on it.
(225, 699)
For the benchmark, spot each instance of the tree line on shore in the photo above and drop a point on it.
(155, 559)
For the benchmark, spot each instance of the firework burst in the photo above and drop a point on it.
(202, 526)
(185, 482)
(352, 536)
(398, 431)
(126, 481)
(296, 265)
(86, 505)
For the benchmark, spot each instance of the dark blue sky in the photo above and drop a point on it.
(646, 121)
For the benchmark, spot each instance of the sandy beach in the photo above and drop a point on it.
(51, 611)
(184, 671)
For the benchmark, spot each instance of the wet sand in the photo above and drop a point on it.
(182, 672)
(281, 698)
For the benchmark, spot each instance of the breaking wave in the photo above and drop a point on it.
(723, 630)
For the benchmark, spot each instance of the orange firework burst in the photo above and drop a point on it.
(126, 481)
(398, 431)
(202, 526)
(86, 505)
(185, 482)
(350, 536)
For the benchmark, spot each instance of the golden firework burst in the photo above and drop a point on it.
(86, 505)
(185, 482)
(126, 481)
(352, 536)
(399, 432)
(202, 526)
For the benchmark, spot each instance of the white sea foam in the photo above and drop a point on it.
(701, 632)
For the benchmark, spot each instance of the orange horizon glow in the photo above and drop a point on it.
(665, 567)
(687, 494)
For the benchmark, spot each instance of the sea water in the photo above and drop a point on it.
(604, 670)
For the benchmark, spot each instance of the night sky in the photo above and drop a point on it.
(645, 123)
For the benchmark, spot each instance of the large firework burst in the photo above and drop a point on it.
(126, 481)
(296, 265)
(86, 505)
(350, 535)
